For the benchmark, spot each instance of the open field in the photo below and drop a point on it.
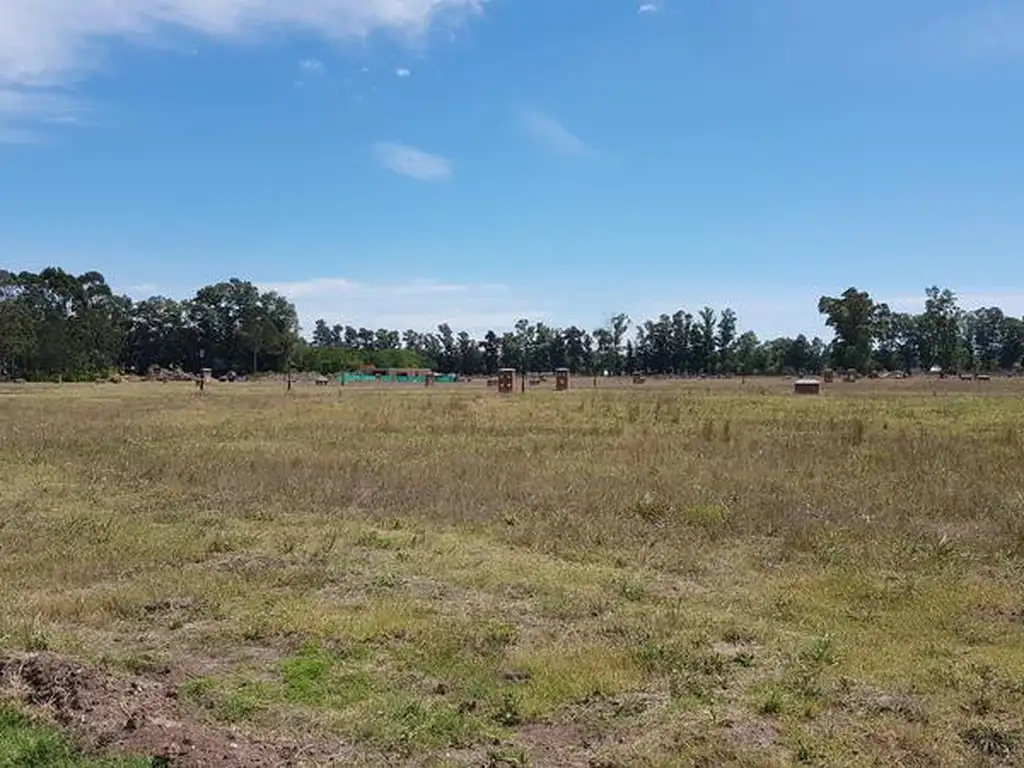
(683, 573)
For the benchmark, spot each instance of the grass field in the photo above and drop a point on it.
(672, 574)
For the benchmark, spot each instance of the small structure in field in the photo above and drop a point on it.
(372, 374)
(807, 387)
(638, 378)
(561, 379)
(322, 381)
(850, 376)
(429, 378)
(506, 380)
(830, 375)
(983, 377)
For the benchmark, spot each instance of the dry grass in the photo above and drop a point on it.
(697, 573)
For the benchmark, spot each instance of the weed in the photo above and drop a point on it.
(507, 757)
(807, 669)
(509, 712)
(374, 540)
(990, 741)
(773, 702)
(650, 509)
(496, 637)
(855, 432)
(805, 752)
(630, 590)
(708, 516)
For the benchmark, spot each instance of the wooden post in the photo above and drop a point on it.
(506, 381)
(561, 379)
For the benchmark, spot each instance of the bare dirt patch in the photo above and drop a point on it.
(556, 744)
(133, 716)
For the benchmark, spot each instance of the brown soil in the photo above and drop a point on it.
(135, 716)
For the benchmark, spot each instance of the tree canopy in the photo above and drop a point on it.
(55, 323)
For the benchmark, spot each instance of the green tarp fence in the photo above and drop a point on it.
(441, 378)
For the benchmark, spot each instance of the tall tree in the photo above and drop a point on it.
(854, 317)
(726, 339)
(940, 330)
(707, 324)
(322, 334)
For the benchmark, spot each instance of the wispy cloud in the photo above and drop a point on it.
(647, 8)
(551, 133)
(312, 66)
(414, 163)
(403, 72)
(141, 291)
(419, 304)
(22, 109)
(50, 43)
(341, 287)
(1011, 302)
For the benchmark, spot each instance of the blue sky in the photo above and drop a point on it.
(405, 162)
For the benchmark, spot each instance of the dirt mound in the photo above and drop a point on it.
(129, 716)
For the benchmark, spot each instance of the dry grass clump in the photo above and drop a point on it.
(713, 573)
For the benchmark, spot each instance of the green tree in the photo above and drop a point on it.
(855, 318)
(725, 340)
(746, 354)
(940, 330)
(706, 337)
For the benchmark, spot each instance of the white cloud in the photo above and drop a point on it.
(420, 305)
(403, 72)
(647, 8)
(48, 43)
(340, 287)
(312, 66)
(414, 163)
(551, 133)
(21, 108)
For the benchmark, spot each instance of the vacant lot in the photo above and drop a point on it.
(673, 574)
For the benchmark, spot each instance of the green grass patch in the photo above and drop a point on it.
(26, 743)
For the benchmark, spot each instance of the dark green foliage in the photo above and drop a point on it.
(57, 324)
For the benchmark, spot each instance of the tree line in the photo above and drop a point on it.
(55, 323)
